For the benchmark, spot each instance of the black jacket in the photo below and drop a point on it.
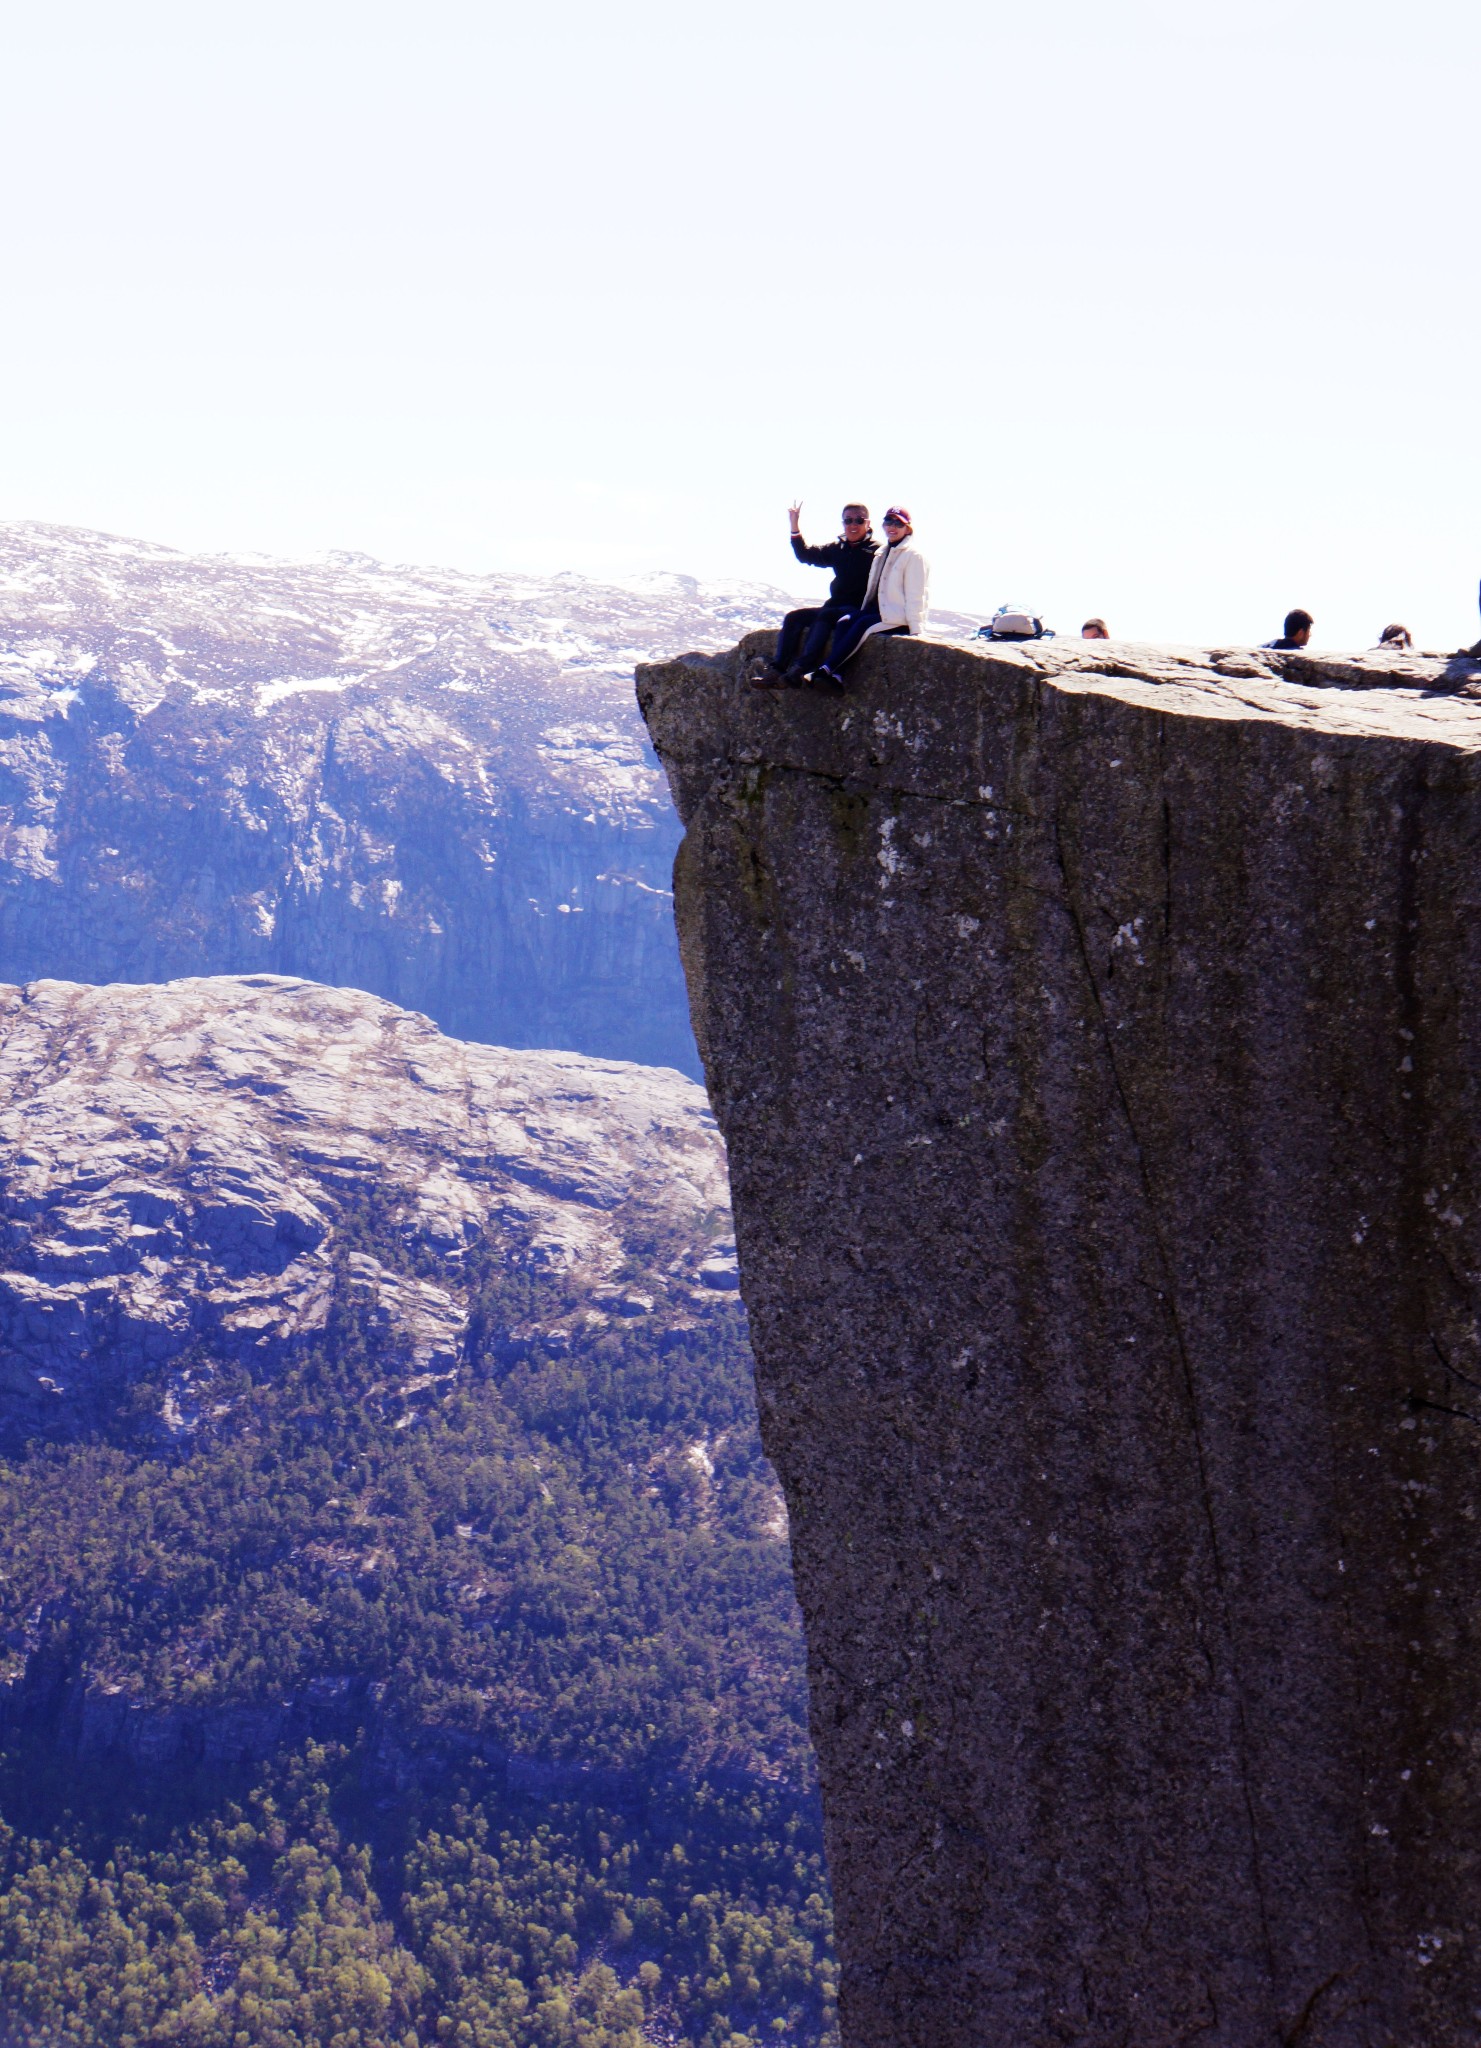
(848, 559)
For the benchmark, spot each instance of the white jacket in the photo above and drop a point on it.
(899, 583)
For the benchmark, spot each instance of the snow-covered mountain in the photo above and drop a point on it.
(431, 785)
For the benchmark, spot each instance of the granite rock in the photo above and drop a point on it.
(1096, 1033)
(177, 1163)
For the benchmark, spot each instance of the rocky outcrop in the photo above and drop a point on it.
(429, 785)
(180, 1165)
(1097, 1038)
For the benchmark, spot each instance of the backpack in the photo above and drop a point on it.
(1013, 622)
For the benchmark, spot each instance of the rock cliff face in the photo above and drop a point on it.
(176, 1164)
(1097, 1038)
(429, 785)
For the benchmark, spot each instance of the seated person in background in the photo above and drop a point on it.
(850, 557)
(894, 602)
(1296, 631)
(1398, 639)
(1094, 629)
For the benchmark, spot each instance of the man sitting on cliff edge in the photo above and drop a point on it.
(894, 602)
(850, 557)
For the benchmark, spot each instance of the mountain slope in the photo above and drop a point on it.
(397, 1642)
(430, 785)
(180, 1163)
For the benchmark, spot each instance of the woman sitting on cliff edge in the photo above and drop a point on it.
(894, 602)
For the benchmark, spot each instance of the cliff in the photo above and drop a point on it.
(1096, 1034)
(429, 785)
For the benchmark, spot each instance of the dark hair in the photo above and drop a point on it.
(1095, 625)
(1396, 636)
(1297, 622)
(852, 507)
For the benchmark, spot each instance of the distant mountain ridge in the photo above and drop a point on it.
(423, 783)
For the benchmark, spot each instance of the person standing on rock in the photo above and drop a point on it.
(1296, 631)
(894, 602)
(805, 634)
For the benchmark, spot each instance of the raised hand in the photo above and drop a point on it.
(794, 513)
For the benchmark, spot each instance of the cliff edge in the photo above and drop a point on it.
(1096, 1033)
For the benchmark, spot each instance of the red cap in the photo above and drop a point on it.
(899, 512)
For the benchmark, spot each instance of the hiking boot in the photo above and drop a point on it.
(767, 677)
(793, 678)
(827, 681)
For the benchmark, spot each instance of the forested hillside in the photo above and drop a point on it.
(356, 1721)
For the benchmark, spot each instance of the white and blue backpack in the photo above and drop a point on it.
(1014, 622)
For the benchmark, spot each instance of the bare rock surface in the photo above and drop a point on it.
(1096, 1033)
(430, 785)
(176, 1162)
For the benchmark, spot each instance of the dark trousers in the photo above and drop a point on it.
(809, 630)
(851, 630)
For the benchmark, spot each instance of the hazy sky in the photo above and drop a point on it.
(1165, 311)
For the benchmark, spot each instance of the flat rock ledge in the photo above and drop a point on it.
(1096, 1032)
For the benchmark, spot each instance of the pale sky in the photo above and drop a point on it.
(1163, 311)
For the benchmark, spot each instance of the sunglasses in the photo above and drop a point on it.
(894, 522)
(856, 522)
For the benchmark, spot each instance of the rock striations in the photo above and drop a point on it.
(1097, 1039)
(177, 1162)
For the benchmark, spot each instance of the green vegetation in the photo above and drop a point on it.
(364, 1718)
